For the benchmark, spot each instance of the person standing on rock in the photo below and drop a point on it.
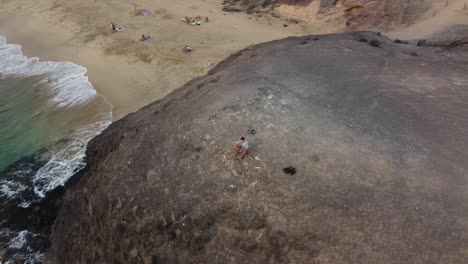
(241, 148)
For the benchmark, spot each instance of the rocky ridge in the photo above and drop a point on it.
(377, 131)
(355, 14)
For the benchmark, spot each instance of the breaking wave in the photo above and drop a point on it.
(49, 111)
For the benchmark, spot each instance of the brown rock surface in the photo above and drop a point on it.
(452, 36)
(357, 14)
(379, 137)
(383, 14)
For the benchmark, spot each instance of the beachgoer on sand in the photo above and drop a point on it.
(186, 20)
(145, 37)
(210, 65)
(144, 13)
(115, 28)
(198, 20)
(187, 49)
(241, 148)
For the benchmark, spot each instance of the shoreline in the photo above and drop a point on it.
(128, 73)
(131, 74)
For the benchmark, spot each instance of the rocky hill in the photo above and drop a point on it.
(356, 14)
(377, 131)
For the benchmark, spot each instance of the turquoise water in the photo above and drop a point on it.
(49, 111)
(23, 128)
(47, 106)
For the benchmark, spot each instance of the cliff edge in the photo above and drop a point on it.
(377, 131)
(354, 14)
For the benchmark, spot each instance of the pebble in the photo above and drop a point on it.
(134, 252)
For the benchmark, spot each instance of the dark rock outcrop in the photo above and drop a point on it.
(383, 14)
(378, 137)
(357, 14)
(453, 36)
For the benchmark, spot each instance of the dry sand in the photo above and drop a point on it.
(130, 73)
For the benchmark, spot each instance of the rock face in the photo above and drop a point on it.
(383, 14)
(453, 36)
(356, 14)
(378, 134)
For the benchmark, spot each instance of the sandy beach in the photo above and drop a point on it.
(131, 73)
(128, 72)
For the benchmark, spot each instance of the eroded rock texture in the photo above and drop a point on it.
(356, 14)
(383, 14)
(378, 135)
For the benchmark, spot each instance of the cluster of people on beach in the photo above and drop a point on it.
(198, 20)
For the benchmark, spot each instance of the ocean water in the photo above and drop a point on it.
(48, 113)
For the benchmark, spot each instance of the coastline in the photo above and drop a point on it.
(122, 74)
(49, 113)
(130, 73)
(170, 166)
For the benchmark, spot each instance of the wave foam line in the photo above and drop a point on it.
(68, 87)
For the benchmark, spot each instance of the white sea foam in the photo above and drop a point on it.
(18, 241)
(68, 82)
(10, 189)
(68, 86)
(65, 162)
(67, 89)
